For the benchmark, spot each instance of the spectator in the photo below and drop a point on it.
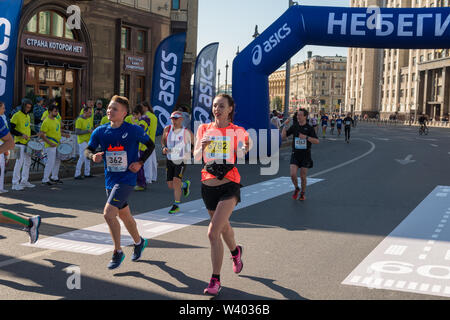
(38, 111)
(99, 112)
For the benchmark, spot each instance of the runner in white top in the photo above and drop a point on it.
(177, 145)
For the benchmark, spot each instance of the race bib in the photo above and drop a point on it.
(347, 123)
(177, 152)
(300, 144)
(116, 161)
(219, 148)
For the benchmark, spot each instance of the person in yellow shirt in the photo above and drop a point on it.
(45, 116)
(90, 105)
(151, 165)
(132, 119)
(140, 119)
(21, 130)
(51, 134)
(83, 130)
(105, 120)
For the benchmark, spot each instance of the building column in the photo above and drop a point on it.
(445, 95)
(426, 91)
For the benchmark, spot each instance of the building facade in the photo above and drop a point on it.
(277, 86)
(110, 52)
(399, 83)
(318, 84)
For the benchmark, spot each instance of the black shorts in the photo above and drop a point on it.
(118, 195)
(304, 161)
(174, 170)
(213, 195)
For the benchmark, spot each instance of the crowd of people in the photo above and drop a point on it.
(124, 143)
(124, 140)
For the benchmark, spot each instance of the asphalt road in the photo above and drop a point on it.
(292, 249)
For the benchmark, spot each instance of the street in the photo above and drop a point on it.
(335, 245)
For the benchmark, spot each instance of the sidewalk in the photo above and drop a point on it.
(67, 168)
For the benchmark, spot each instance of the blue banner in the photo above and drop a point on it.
(9, 28)
(372, 27)
(204, 84)
(166, 78)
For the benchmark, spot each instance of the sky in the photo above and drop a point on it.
(232, 24)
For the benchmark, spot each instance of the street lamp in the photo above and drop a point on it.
(288, 78)
(226, 77)
(256, 34)
(218, 82)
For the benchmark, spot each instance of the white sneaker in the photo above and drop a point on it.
(27, 185)
(3, 191)
(17, 187)
(33, 231)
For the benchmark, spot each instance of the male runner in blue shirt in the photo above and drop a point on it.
(119, 143)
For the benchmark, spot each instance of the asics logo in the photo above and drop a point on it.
(274, 40)
(257, 55)
(125, 135)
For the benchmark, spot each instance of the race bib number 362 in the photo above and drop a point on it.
(116, 161)
(219, 148)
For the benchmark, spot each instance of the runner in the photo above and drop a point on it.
(304, 136)
(176, 141)
(313, 123)
(339, 125)
(332, 124)
(324, 120)
(119, 142)
(348, 121)
(218, 141)
(83, 130)
(31, 224)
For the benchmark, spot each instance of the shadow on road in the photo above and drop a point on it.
(52, 282)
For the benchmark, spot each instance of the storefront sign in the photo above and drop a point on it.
(53, 45)
(134, 63)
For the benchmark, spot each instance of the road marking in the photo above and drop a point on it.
(372, 148)
(96, 240)
(414, 270)
(407, 160)
(396, 250)
(434, 145)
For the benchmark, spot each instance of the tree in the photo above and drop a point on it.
(276, 104)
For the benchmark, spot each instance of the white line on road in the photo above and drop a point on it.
(347, 162)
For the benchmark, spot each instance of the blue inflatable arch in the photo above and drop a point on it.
(402, 28)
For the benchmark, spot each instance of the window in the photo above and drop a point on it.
(49, 23)
(414, 61)
(57, 25)
(44, 22)
(125, 38)
(141, 41)
(175, 4)
(124, 85)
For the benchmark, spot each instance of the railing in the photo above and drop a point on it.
(437, 124)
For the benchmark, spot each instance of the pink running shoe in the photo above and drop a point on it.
(237, 262)
(213, 287)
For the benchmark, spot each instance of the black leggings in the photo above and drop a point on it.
(347, 132)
